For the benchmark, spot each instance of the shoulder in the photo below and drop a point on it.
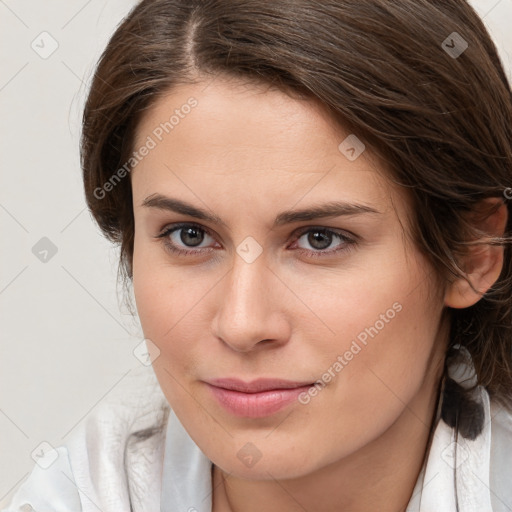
(501, 457)
(501, 423)
(112, 458)
(48, 487)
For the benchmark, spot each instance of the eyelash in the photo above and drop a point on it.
(347, 245)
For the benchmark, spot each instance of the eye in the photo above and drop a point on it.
(190, 235)
(178, 237)
(320, 238)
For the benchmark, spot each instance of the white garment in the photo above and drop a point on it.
(89, 474)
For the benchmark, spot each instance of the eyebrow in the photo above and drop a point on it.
(330, 209)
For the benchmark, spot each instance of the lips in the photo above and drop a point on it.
(258, 398)
(257, 385)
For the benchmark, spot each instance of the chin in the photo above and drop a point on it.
(254, 461)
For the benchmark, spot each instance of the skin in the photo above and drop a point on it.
(246, 153)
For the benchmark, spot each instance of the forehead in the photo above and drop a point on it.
(252, 142)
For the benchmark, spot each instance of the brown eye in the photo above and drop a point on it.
(191, 236)
(179, 237)
(320, 239)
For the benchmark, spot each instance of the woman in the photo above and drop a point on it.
(312, 204)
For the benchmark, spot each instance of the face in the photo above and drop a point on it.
(339, 303)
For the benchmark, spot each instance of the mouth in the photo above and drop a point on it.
(256, 399)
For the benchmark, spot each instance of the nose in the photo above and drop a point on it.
(251, 307)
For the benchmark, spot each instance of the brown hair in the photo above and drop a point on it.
(437, 113)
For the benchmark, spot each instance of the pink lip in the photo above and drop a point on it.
(258, 398)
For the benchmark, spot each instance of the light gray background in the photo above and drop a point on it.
(66, 340)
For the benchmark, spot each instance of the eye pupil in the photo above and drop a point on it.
(313, 239)
(189, 236)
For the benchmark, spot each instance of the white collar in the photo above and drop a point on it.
(186, 474)
(456, 470)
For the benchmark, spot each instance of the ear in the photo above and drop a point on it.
(482, 263)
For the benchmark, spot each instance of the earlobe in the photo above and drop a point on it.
(483, 263)
(460, 294)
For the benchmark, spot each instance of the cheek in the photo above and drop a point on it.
(171, 307)
(386, 334)
(156, 301)
(374, 330)
(160, 289)
(161, 302)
